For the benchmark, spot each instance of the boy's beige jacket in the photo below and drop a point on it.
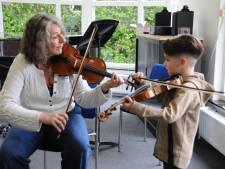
(181, 108)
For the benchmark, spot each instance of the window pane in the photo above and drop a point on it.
(15, 15)
(150, 13)
(71, 16)
(121, 47)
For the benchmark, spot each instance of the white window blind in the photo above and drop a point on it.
(219, 73)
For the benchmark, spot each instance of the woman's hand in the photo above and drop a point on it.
(115, 81)
(137, 77)
(57, 119)
(128, 103)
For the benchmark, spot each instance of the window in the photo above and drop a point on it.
(71, 17)
(121, 47)
(78, 14)
(15, 15)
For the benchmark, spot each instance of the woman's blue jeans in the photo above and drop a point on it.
(20, 144)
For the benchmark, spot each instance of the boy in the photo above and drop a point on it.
(179, 116)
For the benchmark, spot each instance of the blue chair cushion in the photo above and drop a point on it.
(159, 72)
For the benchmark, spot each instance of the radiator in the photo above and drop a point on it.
(212, 128)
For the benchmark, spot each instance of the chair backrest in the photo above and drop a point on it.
(159, 72)
(4, 70)
(5, 62)
(10, 46)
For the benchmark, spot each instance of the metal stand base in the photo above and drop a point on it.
(105, 145)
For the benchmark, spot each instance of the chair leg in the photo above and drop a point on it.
(45, 165)
(96, 141)
(160, 163)
(145, 129)
(120, 128)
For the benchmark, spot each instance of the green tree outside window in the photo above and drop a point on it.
(15, 15)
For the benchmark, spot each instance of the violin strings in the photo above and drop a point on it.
(97, 71)
(184, 87)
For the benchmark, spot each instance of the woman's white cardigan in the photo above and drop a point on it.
(25, 95)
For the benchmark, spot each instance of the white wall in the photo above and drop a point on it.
(206, 17)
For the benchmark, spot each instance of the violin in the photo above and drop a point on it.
(69, 62)
(143, 93)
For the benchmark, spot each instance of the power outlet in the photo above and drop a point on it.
(222, 12)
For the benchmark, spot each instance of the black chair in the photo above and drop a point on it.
(5, 63)
(4, 70)
(9, 46)
(4, 127)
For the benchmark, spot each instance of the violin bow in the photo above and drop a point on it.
(184, 87)
(75, 82)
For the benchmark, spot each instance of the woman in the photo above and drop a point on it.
(34, 98)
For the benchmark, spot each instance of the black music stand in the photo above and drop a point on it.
(105, 29)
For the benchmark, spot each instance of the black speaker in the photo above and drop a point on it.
(163, 18)
(163, 22)
(183, 21)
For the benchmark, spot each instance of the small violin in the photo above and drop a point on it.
(143, 93)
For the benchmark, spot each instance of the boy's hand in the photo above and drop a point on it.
(128, 103)
(115, 81)
(57, 119)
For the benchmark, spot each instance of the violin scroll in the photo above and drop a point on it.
(104, 116)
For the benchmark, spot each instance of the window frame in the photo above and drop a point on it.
(88, 15)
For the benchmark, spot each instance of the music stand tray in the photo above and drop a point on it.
(105, 29)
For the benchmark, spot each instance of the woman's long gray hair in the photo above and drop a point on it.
(36, 37)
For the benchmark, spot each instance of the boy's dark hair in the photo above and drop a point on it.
(184, 44)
